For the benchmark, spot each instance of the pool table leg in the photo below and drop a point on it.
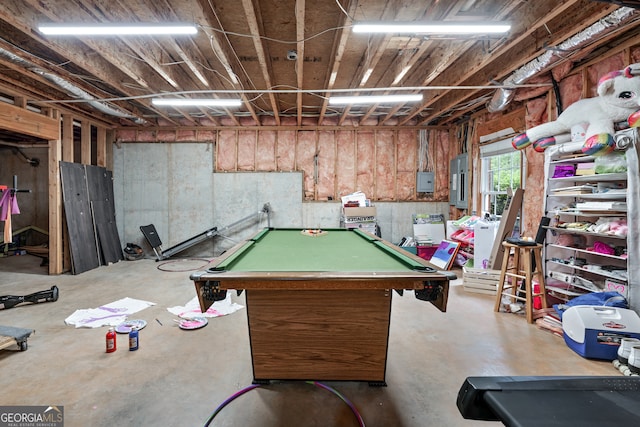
(377, 383)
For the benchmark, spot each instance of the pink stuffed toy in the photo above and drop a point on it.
(619, 227)
(618, 100)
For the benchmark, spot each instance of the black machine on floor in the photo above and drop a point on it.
(598, 401)
(151, 235)
(10, 301)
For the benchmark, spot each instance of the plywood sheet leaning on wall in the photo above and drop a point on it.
(106, 232)
(87, 194)
(100, 185)
(75, 197)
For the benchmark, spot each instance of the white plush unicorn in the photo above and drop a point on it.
(618, 100)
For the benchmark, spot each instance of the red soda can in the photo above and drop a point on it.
(111, 340)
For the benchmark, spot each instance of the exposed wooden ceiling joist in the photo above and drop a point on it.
(241, 50)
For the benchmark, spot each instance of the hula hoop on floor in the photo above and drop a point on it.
(315, 383)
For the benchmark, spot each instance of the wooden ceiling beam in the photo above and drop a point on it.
(498, 70)
(37, 95)
(223, 57)
(263, 59)
(340, 43)
(23, 121)
(223, 53)
(73, 52)
(446, 53)
(377, 45)
(477, 60)
(411, 62)
(366, 69)
(399, 11)
(100, 47)
(243, 40)
(300, 21)
(162, 50)
(195, 57)
(150, 51)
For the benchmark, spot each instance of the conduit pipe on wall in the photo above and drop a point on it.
(65, 85)
(502, 97)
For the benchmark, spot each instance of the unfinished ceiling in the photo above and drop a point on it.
(284, 58)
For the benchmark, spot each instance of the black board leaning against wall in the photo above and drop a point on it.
(87, 194)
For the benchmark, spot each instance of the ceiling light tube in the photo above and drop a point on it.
(374, 99)
(433, 27)
(181, 102)
(116, 29)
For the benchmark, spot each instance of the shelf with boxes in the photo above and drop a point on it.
(589, 239)
(363, 217)
(465, 234)
(476, 237)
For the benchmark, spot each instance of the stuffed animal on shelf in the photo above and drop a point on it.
(618, 100)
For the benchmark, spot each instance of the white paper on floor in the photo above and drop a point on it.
(217, 309)
(111, 314)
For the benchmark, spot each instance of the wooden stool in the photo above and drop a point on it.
(521, 272)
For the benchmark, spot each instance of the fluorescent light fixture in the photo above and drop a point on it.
(374, 99)
(116, 29)
(433, 27)
(181, 102)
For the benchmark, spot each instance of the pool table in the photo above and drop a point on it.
(319, 303)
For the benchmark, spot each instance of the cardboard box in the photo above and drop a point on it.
(369, 211)
(352, 219)
(369, 227)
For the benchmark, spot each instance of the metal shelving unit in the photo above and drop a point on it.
(571, 261)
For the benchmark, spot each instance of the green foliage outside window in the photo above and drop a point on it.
(502, 173)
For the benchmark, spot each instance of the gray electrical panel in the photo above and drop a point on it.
(425, 182)
(458, 181)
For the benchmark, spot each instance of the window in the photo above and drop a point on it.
(501, 171)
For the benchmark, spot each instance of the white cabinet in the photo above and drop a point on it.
(592, 239)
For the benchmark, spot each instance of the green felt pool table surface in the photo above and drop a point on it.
(335, 250)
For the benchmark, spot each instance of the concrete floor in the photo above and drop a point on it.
(178, 378)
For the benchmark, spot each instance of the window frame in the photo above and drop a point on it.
(487, 152)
